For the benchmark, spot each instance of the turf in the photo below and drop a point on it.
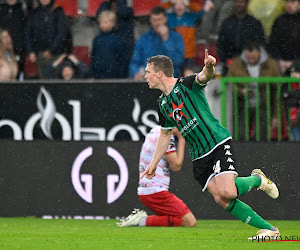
(35, 233)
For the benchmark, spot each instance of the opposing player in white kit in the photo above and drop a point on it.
(169, 209)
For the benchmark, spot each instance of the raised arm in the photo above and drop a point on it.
(162, 144)
(175, 159)
(208, 70)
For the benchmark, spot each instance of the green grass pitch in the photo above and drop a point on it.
(35, 233)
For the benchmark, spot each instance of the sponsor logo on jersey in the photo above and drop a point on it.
(177, 113)
(191, 124)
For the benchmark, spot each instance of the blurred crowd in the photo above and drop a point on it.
(251, 38)
(39, 33)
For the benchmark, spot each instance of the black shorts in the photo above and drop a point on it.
(218, 162)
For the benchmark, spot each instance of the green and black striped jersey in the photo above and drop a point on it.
(187, 109)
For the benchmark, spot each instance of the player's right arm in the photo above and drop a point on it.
(175, 159)
(162, 145)
(208, 70)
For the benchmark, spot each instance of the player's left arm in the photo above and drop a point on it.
(208, 70)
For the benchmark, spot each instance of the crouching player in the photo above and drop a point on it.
(169, 209)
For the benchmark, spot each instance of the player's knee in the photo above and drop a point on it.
(190, 223)
(228, 194)
(194, 223)
(218, 199)
(221, 201)
(189, 220)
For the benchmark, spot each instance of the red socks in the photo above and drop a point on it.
(163, 221)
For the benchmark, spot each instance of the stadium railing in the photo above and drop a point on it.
(278, 82)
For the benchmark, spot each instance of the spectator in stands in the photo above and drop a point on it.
(254, 62)
(124, 25)
(46, 35)
(158, 40)
(184, 21)
(213, 19)
(67, 67)
(266, 11)
(8, 63)
(109, 49)
(12, 18)
(285, 36)
(235, 31)
(294, 71)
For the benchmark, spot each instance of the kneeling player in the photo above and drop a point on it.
(169, 209)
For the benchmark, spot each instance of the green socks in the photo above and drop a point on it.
(245, 213)
(245, 184)
(241, 210)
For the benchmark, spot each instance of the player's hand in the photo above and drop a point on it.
(59, 60)
(176, 133)
(73, 58)
(284, 65)
(163, 32)
(209, 61)
(149, 172)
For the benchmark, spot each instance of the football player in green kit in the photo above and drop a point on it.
(183, 105)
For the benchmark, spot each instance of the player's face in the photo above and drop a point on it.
(158, 20)
(240, 6)
(151, 77)
(6, 39)
(252, 56)
(179, 8)
(45, 2)
(11, 2)
(106, 24)
(292, 6)
(67, 73)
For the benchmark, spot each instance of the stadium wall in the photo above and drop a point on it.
(82, 111)
(77, 111)
(98, 180)
(71, 150)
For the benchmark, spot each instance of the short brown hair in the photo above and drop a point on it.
(162, 63)
(157, 10)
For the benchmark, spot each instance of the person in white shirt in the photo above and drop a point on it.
(154, 194)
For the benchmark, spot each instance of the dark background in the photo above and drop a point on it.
(35, 180)
(103, 104)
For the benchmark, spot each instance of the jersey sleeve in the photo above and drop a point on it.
(163, 122)
(172, 147)
(191, 79)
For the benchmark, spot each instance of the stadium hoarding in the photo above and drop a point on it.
(77, 111)
(98, 180)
